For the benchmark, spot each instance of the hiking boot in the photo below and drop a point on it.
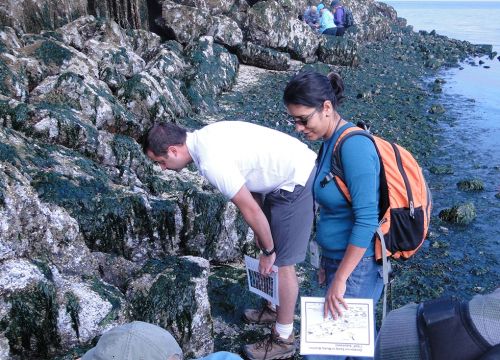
(266, 315)
(271, 347)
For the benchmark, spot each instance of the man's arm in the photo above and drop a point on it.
(255, 218)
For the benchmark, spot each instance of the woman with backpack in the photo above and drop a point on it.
(338, 16)
(345, 229)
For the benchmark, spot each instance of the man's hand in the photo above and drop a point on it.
(266, 263)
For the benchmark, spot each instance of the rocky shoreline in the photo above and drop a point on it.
(92, 235)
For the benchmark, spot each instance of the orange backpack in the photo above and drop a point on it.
(405, 200)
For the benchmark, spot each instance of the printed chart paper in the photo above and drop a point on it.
(265, 286)
(350, 335)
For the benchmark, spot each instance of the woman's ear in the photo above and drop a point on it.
(327, 106)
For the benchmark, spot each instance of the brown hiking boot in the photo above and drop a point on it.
(271, 347)
(266, 315)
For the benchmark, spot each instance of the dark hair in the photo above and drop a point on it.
(312, 89)
(161, 136)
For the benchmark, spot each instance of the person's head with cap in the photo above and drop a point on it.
(134, 341)
(334, 3)
(398, 337)
(320, 7)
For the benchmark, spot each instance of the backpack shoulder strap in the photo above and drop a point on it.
(336, 167)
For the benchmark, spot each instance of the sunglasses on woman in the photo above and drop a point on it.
(302, 120)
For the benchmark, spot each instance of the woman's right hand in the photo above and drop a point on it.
(334, 299)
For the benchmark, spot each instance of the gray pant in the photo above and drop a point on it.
(290, 215)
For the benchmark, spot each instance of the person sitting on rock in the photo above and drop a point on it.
(338, 16)
(139, 340)
(268, 175)
(442, 329)
(311, 17)
(326, 23)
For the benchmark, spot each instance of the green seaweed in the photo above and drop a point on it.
(161, 304)
(32, 327)
(110, 294)
(471, 185)
(73, 309)
(51, 53)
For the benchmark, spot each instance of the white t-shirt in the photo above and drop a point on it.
(231, 154)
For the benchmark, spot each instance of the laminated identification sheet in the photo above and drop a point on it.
(265, 286)
(350, 335)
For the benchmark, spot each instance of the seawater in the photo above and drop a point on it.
(471, 138)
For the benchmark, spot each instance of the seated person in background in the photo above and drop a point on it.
(140, 340)
(311, 17)
(442, 329)
(326, 23)
(338, 16)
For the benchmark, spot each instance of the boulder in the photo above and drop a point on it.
(13, 81)
(271, 25)
(174, 21)
(92, 98)
(251, 54)
(33, 16)
(214, 7)
(213, 70)
(471, 185)
(441, 170)
(143, 96)
(54, 57)
(43, 310)
(338, 50)
(9, 41)
(462, 214)
(226, 32)
(172, 293)
(218, 231)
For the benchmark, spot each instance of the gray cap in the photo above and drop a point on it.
(398, 336)
(134, 341)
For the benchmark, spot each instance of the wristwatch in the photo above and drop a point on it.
(268, 252)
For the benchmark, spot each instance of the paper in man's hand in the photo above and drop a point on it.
(265, 286)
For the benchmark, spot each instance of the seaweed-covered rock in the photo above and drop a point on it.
(90, 97)
(270, 25)
(462, 214)
(167, 60)
(141, 40)
(471, 185)
(54, 57)
(226, 32)
(214, 70)
(441, 170)
(172, 293)
(437, 109)
(34, 16)
(174, 21)
(205, 234)
(251, 54)
(30, 309)
(9, 41)
(13, 82)
(214, 7)
(44, 310)
(338, 50)
(121, 62)
(146, 99)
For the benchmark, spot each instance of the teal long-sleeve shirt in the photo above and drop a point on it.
(340, 223)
